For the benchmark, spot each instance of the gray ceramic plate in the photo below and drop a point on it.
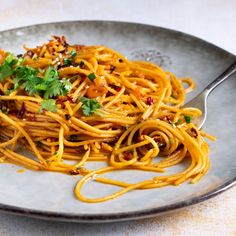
(50, 195)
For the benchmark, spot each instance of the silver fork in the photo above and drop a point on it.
(200, 101)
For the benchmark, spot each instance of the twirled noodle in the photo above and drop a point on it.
(139, 124)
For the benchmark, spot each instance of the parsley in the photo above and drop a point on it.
(89, 106)
(67, 62)
(188, 119)
(92, 76)
(6, 69)
(49, 105)
(73, 53)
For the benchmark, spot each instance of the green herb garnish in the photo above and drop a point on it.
(31, 80)
(73, 53)
(49, 105)
(89, 106)
(47, 87)
(67, 62)
(6, 69)
(25, 76)
(188, 119)
(92, 76)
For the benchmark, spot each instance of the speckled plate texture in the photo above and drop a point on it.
(50, 195)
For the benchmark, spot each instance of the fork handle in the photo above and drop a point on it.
(226, 74)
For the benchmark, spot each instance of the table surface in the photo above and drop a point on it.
(212, 20)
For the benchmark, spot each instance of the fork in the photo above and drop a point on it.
(200, 101)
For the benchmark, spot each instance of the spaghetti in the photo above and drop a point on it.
(74, 103)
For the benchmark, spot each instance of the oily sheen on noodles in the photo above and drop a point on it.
(89, 103)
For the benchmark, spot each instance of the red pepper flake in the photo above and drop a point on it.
(194, 132)
(78, 47)
(30, 53)
(137, 137)
(120, 60)
(150, 101)
(74, 172)
(159, 141)
(69, 98)
(168, 118)
(57, 38)
(21, 112)
(60, 100)
(115, 87)
(127, 155)
(31, 117)
(164, 118)
(63, 41)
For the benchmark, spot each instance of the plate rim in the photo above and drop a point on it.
(129, 215)
(114, 217)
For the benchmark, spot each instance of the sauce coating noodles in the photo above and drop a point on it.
(71, 104)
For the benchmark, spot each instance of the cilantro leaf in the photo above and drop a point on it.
(51, 74)
(26, 76)
(24, 71)
(11, 59)
(6, 69)
(32, 85)
(67, 62)
(188, 119)
(92, 76)
(49, 105)
(89, 106)
(67, 84)
(54, 86)
(47, 87)
(73, 53)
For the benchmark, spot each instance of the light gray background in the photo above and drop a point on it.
(212, 20)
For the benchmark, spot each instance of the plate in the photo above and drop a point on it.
(50, 195)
